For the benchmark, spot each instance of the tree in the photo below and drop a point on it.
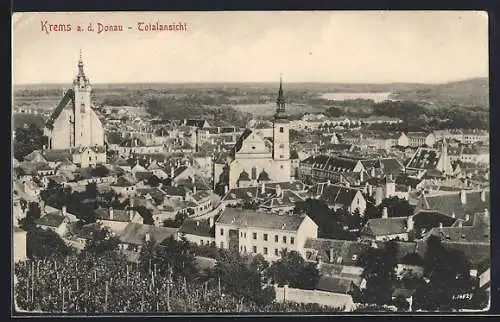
(102, 242)
(91, 190)
(396, 207)
(379, 272)
(179, 219)
(446, 272)
(28, 223)
(28, 140)
(291, 269)
(177, 255)
(45, 243)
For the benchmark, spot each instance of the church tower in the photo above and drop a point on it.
(444, 163)
(82, 133)
(281, 140)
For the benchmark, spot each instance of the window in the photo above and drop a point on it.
(254, 249)
(265, 237)
(281, 166)
(276, 252)
(241, 234)
(244, 235)
(282, 146)
(276, 238)
(221, 244)
(281, 129)
(265, 250)
(254, 173)
(201, 242)
(292, 240)
(245, 249)
(254, 235)
(284, 239)
(222, 231)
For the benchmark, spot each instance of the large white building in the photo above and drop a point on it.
(75, 126)
(256, 158)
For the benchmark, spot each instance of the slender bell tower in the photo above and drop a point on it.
(82, 108)
(281, 140)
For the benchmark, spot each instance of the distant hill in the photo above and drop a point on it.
(471, 93)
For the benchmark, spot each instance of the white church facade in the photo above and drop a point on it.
(256, 158)
(75, 127)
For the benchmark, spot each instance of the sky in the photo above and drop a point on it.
(313, 46)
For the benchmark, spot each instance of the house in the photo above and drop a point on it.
(134, 236)
(19, 241)
(240, 195)
(477, 231)
(54, 221)
(471, 136)
(325, 167)
(124, 186)
(204, 201)
(199, 232)
(387, 228)
(456, 204)
(475, 154)
(427, 159)
(263, 233)
(338, 196)
(281, 201)
(116, 219)
(416, 139)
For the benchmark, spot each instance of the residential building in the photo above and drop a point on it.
(263, 233)
(199, 232)
(339, 197)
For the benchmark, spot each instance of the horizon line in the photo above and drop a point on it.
(262, 82)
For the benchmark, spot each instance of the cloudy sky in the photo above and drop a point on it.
(315, 46)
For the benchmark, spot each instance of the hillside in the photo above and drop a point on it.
(467, 93)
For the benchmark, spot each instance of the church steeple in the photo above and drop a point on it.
(280, 102)
(80, 65)
(81, 79)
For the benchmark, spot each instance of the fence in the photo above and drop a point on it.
(314, 296)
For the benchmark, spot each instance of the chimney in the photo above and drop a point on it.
(226, 189)
(278, 191)
(41, 204)
(197, 223)
(63, 210)
(347, 184)
(384, 213)
(211, 221)
(328, 182)
(361, 176)
(194, 190)
(463, 196)
(370, 190)
(460, 223)
(410, 224)
(373, 172)
(486, 213)
(483, 195)
(110, 212)
(131, 214)
(331, 254)
(440, 225)
(263, 188)
(467, 217)
(160, 185)
(147, 237)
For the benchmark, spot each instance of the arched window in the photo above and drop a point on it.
(254, 173)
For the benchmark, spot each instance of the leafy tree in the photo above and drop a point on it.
(28, 223)
(42, 243)
(446, 272)
(102, 242)
(396, 207)
(100, 171)
(91, 190)
(291, 269)
(379, 272)
(28, 140)
(179, 219)
(177, 255)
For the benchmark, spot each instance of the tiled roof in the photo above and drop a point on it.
(135, 234)
(408, 181)
(195, 123)
(57, 179)
(87, 231)
(334, 285)
(155, 193)
(143, 175)
(246, 133)
(198, 228)
(263, 176)
(69, 95)
(479, 231)
(244, 176)
(334, 194)
(254, 219)
(385, 226)
(331, 163)
(248, 193)
(118, 215)
(122, 182)
(424, 158)
(54, 219)
(287, 199)
(174, 191)
(450, 203)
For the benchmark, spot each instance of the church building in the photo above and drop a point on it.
(255, 159)
(74, 127)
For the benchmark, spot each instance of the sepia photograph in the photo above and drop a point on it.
(302, 162)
